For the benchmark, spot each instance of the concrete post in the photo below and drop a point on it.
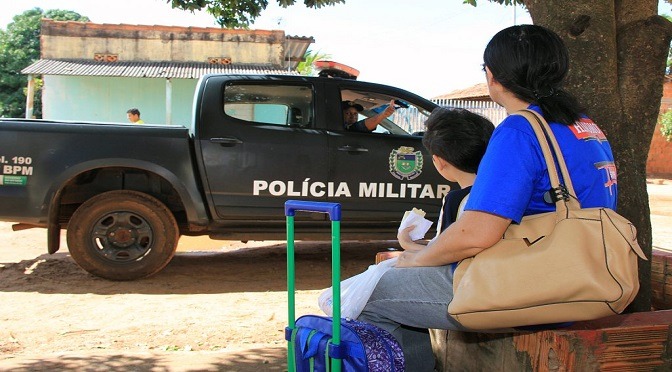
(169, 101)
(30, 96)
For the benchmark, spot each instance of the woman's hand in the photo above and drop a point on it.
(405, 241)
(404, 235)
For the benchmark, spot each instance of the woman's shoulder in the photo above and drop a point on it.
(519, 123)
(514, 119)
(515, 124)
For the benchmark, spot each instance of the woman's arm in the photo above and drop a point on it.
(472, 233)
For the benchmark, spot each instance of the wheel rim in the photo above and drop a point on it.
(122, 236)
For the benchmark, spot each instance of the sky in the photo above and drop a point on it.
(429, 47)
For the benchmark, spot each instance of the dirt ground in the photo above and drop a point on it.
(218, 306)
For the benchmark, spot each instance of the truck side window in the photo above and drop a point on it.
(290, 105)
(408, 118)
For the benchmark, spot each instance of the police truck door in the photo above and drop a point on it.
(261, 149)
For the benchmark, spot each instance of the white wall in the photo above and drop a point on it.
(92, 98)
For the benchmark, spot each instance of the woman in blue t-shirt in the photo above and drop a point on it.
(525, 67)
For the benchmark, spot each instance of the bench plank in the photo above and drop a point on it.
(661, 280)
(627, 342)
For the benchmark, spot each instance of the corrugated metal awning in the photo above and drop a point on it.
(178, 70)
(295, 49)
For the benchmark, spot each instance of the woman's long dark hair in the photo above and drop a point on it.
(532, 62)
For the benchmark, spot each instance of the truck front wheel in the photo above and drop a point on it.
(122, 235)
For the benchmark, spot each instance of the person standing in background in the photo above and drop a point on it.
(133, 116)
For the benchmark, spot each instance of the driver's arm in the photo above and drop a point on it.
(372, 122)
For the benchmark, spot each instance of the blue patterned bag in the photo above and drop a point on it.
(363, 347)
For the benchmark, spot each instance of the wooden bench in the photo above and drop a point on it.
(661, 280)
(627, 342)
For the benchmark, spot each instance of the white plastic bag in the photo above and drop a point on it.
(355, 291)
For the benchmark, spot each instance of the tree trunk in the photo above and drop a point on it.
(618, 51)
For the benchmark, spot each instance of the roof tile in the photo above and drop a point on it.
(178, 70)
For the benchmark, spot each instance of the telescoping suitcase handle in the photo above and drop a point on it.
(334, 211)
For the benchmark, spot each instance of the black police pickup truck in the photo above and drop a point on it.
(125, 193)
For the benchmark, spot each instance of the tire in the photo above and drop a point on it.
(122, 235)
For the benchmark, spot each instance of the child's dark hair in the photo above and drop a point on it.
(532, 62)
(457, 136)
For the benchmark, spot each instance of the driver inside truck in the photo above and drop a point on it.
(351, 112)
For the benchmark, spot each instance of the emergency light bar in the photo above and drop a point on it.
(334, 69)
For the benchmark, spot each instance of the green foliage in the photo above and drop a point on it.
(240, 13)
(306, 66)
(19, 47)
(666, 125)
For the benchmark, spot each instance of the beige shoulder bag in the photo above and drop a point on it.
(569, 265)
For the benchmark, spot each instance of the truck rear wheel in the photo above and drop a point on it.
(122, 235)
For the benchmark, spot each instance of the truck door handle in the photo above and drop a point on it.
(226, 141)
(349, 148)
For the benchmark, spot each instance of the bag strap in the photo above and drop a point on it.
(551, 149)
(460, 208)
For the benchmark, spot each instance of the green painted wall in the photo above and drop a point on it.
(92, 98)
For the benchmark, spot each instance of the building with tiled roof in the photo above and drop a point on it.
(478, 92)
(475, 98)
(95, 72)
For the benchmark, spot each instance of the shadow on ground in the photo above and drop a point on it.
(257, 269)
(251, 360)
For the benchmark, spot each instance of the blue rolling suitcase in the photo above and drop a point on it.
(320, 343)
